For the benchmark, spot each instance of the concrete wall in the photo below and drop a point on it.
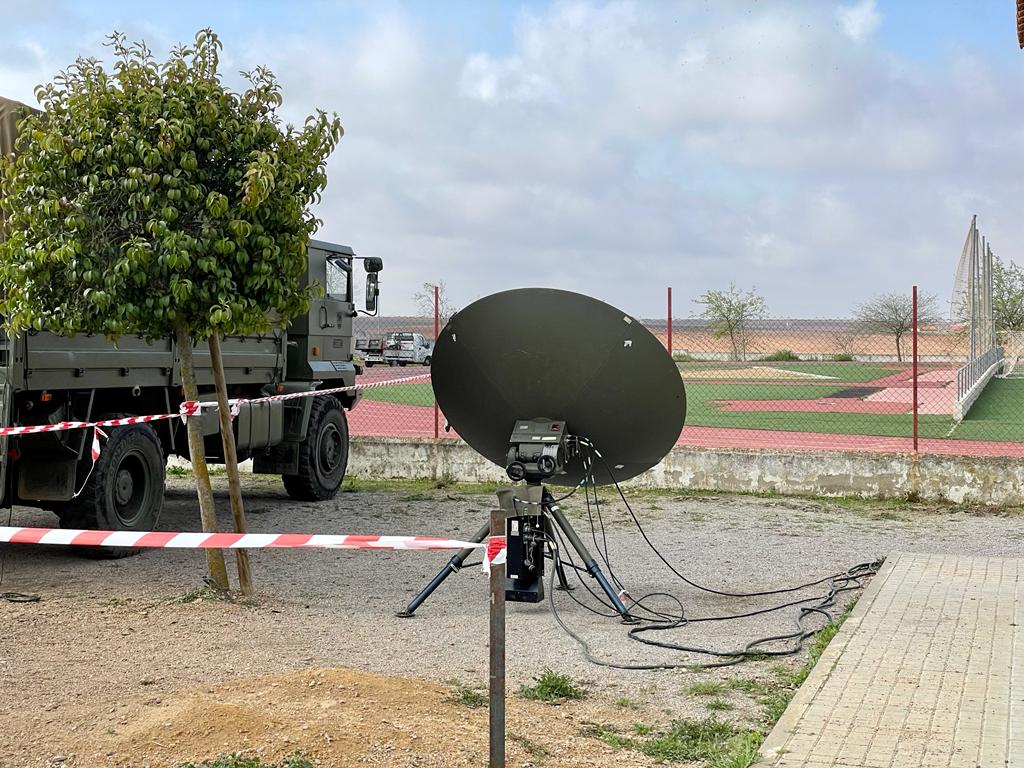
(958, 479)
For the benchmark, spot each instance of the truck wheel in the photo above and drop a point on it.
(125, 491)
(369, 364)
(323, 455)
(401, 363)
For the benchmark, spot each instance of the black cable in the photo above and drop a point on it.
(846, 581)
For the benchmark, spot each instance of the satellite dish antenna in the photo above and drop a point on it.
(541, 382)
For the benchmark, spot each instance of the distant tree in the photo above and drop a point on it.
(893, 314)
(730, 314)
(1007, 296)
(424, 299)
(153, 199)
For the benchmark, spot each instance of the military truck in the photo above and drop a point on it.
(45, 378)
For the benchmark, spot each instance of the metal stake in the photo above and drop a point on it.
(506, 503)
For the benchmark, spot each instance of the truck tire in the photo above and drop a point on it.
(323, 455)
(124, 492)
(401, 363)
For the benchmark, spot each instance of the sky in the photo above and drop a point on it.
(821, 152)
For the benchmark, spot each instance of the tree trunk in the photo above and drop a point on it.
(899, 353)
(207, 512)
(227, 436)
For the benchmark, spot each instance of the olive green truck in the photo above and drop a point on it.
(45, 379)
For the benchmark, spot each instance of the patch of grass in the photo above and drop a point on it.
(238, 761)
(682, 357)
(467, 696)
(202, 593)
(781, 356)
(533, 749)
(716, 743)
(173, 470)
(706, 688)
(417, 393)
(552, 687)
(748, 685)
(630, 704)
(642, 729)
(719, 705)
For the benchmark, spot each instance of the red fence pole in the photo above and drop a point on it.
(437, 331)
(914, 309)
(669, 340)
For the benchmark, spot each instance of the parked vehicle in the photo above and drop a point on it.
(407, 349)
(374, 353)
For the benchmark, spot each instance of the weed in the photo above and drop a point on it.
(706, 688)
(238, 761)
(552, 687)
(642, 729)
(174, 470)
(467, 696)
(533, 749)
(202, 593)
(749, 686)
(715, 742)
(781, 356)
(719, 705)
(630, 704)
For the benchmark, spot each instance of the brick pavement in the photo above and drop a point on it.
(928, 672)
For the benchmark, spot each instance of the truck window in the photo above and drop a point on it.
(337, 280)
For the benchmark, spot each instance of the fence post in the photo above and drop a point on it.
(914, 310)
(669, 340)
(437, 331)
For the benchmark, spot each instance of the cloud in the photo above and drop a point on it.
(618, 147)
(860, 20)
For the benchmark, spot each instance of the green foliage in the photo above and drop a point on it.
(151, 196)
(719, 705)
(1007, 296)
(781, 356)
(842, 357)
(717, 743)
(552, 687)
(467, 696)
(706, 688)
(238, 761)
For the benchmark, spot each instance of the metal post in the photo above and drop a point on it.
(670, 321)
(437, 331)
(914, 302)
(496, 714)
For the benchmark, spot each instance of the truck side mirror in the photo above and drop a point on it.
(373, 264)
(372, 292)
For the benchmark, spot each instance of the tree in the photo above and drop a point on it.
(153, 199)
(731, 313)
(1007, 297)
(893, 314)
(424, 299)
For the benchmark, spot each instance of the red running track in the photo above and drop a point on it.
(379, 419)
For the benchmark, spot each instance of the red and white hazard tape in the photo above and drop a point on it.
(496, 552)
(174, 540)
(188, 408)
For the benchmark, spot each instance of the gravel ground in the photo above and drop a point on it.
(108, 635)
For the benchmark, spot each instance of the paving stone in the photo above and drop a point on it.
(927, 672)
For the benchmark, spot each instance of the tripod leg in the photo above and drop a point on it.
(563, 583)
(451, 567)
(588, 560)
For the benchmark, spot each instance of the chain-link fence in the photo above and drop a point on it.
(812, 384)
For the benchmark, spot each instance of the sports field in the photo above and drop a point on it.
(840, 398)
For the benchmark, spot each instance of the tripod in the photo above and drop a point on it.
(531, 527)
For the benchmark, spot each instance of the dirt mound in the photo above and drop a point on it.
(339, 717)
